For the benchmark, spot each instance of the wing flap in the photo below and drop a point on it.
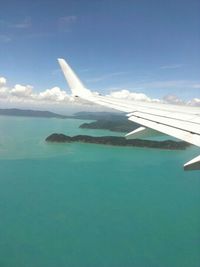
(177, 133)
(179, 124)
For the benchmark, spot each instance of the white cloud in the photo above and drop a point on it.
(3, 89)
(126, 94)
(169, 99)
(173, 99)
(3, 92)
(26, 94)
(53, 94)
(2, 81)
(194, 102)
(21, 91)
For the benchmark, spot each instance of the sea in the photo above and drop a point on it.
(86, 205)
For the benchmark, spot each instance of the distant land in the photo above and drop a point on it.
(121, 125)
(31, 113)
(101, 120)
(117, 141)
(87, 115)
(48, 114)
(115, 122)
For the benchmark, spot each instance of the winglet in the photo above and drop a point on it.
(76, 86)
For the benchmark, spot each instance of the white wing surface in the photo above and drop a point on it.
(178, 121)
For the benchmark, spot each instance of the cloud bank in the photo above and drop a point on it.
(126, 94)
(169, 99)
(26, 94)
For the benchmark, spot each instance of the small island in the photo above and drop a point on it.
(120, 125)
(117, 141)
(115, 122)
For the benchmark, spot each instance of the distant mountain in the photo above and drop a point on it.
(31, 113)
(48, 114)
(116, 122)
(85, 115)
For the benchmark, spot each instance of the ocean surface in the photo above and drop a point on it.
(85, 205)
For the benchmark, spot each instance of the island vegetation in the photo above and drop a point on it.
(117, 141)
(115, 122)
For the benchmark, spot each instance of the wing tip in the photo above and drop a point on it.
(75, 84)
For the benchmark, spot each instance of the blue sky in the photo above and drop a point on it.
(147, 46)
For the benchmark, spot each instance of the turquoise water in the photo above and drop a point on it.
(82, 205)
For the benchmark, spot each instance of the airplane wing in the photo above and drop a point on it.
(178, 121)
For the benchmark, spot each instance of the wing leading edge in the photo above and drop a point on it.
(154, 118)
